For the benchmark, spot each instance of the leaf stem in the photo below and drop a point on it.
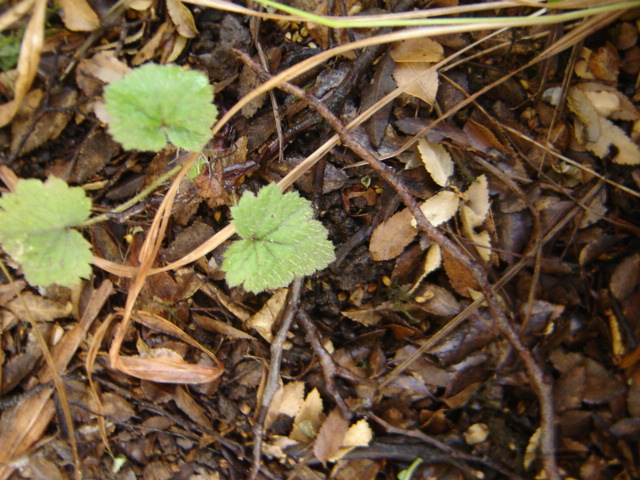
(137, 198)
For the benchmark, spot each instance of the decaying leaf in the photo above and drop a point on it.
(436, 160)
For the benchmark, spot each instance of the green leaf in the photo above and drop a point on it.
(280, 241)
(35, 231)
(156, 104)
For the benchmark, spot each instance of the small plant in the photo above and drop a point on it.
(35, 229)
(148, 108)
(280, 241)
(157, 104)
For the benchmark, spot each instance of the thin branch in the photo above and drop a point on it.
(271, 386)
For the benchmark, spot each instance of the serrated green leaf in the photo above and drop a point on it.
(280, 241)
(155, 104)
(35, 231)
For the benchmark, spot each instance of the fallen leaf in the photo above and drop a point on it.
(420, 50)
(330, 437)
(461, 279)
(624, 278)
(78, 16)
(308, 419)
(436, 160)
(391, 237)
(440, 208)
(358, 435)
(473, 214)
(182, 18)
(381, 84)
(365, 315)
(417, 79)
(41, 309)
(263, 321)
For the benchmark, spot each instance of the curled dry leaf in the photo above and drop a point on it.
(308, 419)
(182, 18)
(473, 214)
(263, 321)
(78, 16)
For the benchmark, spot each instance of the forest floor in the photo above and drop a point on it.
(495, 337)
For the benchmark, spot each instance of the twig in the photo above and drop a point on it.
(534, 372)
(271, 386)
(326, 362)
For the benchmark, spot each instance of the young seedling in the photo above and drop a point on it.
(280, 241)
(150, 107)
(35, 230)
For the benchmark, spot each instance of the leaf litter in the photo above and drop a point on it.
(390, 292)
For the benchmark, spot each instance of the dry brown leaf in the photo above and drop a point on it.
(150, 49)
(213, 325)
(28, 419)
(103, 67)
(596, 209)
(461, 279)
(391, 237)
(182, 18)
(308, 419)
(417, 79)
(264, 320)
(39, 129)
(41, 309)
(381, 84)
(625, 111)
(292, 399)
(331, 436)
(170, 370)
(436, 160)
(190, 407)
(28, 61)
(78, 16)
(624, 278)
(417, 50)
(366, 314)
(481, 138)
(287, 401)
(248, 81)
